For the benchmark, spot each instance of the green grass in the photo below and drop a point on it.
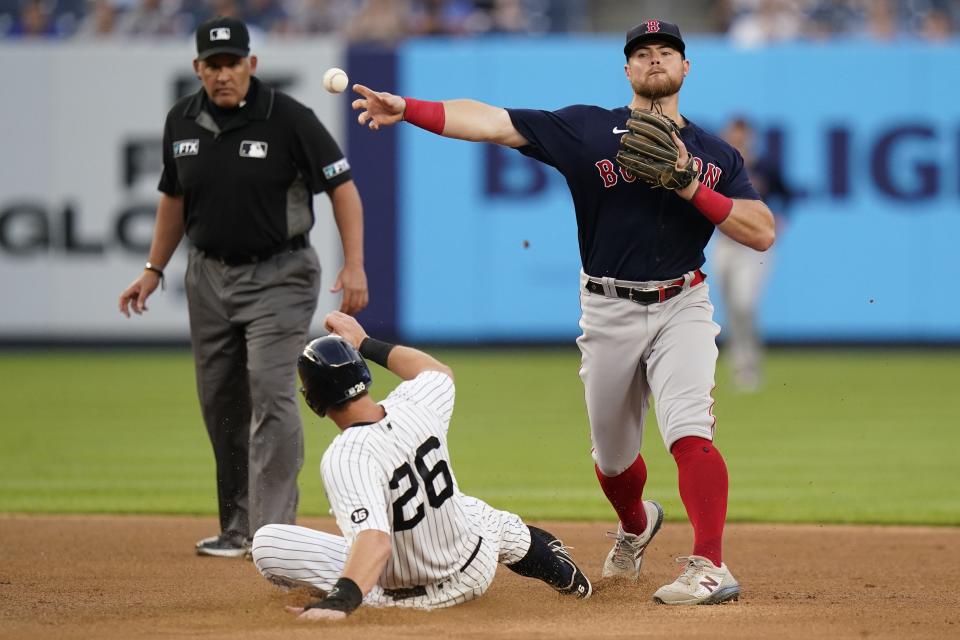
(836, 436)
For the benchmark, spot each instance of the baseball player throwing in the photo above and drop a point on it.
(410, 537)
(649, 187)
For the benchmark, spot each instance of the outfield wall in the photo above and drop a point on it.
(473, 243)
(82, 128)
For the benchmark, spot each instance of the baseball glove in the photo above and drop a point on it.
(649, 153)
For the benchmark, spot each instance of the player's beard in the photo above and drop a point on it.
(657, 86)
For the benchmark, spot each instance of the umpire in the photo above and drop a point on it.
(241, 162)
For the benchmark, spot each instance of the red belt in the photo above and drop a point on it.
(652, 295)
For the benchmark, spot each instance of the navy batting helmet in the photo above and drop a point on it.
(331, 372)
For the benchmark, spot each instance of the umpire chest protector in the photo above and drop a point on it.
(248, 177)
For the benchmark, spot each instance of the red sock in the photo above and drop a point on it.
(625, 493)
(703, 489)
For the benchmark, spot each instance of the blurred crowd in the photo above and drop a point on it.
(362, 20)
(759, 22)
(747, 22)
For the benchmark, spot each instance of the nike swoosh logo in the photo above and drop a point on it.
(615, 130)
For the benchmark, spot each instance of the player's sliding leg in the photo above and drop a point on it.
(548, 560)
(291, 556)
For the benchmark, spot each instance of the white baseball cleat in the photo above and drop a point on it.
(701, 582)
(626, 557)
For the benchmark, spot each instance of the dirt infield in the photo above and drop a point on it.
(125, 577)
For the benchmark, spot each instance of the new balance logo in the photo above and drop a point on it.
(618, 131)
(709, 584)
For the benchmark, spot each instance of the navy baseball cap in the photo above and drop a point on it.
(654, 31)
(222, 35)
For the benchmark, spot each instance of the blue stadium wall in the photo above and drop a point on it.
(476, 243)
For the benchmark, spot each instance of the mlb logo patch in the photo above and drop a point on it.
(253, 149)
(186, 148)
(336, 168)
(220, 33)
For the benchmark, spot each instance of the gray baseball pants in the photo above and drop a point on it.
(248, 323)
(631, 352)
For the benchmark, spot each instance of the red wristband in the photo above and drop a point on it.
(425, 114)
(714, 206)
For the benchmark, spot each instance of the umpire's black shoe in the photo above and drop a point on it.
(229, 544)
(579, 586)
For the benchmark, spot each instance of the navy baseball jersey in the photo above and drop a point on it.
(628, 230)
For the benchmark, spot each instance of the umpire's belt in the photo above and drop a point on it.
(234, 259)
(650, 295)
(420, 590)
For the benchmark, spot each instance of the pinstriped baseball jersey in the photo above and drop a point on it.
(394, 476)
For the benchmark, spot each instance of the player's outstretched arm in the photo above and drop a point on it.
(480, 122)
(367, 558)
(406, 362)
(461, 119)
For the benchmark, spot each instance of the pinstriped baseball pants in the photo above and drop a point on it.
(301, 556)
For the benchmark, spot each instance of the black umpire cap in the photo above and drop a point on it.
(654, 31)
(222, 35)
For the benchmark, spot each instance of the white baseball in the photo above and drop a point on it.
(335, 80)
